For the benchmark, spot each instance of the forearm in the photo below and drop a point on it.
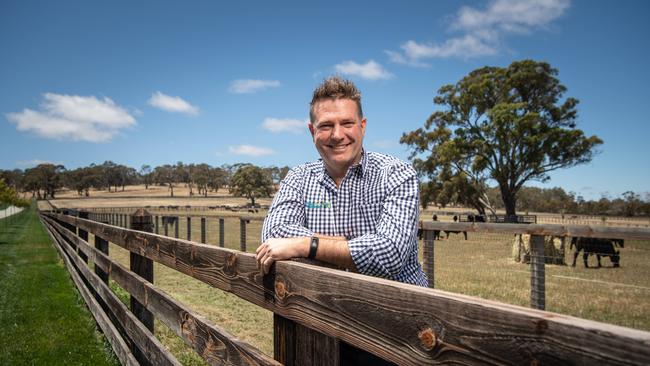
(334, 250)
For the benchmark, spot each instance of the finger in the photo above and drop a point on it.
(267, 264)
(261, 251)
(263, 245)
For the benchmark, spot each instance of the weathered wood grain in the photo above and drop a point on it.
(118, 345)
(402, 323)
(147, 343)
(211, 342)
(589, 231)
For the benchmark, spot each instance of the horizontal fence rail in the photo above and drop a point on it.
(587, 231)
(401, 323)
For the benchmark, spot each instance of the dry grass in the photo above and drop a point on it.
(482, 266)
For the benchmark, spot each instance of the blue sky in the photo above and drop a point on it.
(156, 82)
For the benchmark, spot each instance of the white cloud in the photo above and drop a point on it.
(172, 104)
(250, 150)
(468, 46)
(74, 117)
(482, 31)
(510, 15)
(277, 125)
(248, 86)
(371, 70)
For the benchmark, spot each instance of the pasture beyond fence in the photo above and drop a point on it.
(319, 311)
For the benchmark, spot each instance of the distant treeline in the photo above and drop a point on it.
(557, 200)
(44, 180)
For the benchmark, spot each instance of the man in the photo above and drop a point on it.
(353, 208)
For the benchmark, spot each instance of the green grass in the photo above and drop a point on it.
(3, 205)
(43, 319)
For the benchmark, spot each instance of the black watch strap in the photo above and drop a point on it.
(313, 247)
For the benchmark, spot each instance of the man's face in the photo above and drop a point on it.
(338, 133)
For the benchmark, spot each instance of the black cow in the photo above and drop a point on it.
(599, 247)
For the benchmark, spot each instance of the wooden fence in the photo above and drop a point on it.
(319, 311)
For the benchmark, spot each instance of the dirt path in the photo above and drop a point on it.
(11, 210)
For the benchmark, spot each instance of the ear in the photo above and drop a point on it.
(311, 129)
(363, 126)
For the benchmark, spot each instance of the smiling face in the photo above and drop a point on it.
(338, 132)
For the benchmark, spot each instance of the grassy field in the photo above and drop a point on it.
(43, 320)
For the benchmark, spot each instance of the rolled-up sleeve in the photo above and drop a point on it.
(385, 252)
(286, 216)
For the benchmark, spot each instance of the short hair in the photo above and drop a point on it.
(335, 87)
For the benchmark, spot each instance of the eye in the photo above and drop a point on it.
(325, 127)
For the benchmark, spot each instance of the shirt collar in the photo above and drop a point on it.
(359, 168)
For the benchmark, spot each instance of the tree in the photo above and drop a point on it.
(9, 195)
(166, 175)
(251, 182)
(145, 173)
(503, 124)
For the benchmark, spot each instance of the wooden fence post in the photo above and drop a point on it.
(537, 275)
(242, 233)
(178, 218)
(295, 344)
(222, 226)
(141, 220)
(189, 228)
(156, 226)
(203, 234)
(428, 255)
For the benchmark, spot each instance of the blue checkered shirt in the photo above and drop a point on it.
(376, 209)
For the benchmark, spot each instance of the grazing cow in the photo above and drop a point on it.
(597, 246)
(454, 231)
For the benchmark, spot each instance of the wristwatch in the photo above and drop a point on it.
(313, 247)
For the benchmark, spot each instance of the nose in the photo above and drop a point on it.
(337, 133)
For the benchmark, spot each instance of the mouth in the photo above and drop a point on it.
(339, 147)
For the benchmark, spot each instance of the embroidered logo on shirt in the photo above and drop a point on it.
(313, 204)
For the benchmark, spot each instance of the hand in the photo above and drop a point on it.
(277, 249)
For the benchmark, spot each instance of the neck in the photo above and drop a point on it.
(337, 174)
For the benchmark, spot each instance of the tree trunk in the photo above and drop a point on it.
(509, 201)
(253, 201)
(171, 187)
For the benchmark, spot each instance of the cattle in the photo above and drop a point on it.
(454, 231)
(599, 247)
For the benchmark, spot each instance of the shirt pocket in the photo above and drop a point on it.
(320, 220)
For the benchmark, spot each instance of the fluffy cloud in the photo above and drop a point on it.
(172, 104)
(74, 117)
(482, 31)
(371, 70)
(510, 15)
(250, 150)
(277, 125)
(248, 86)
